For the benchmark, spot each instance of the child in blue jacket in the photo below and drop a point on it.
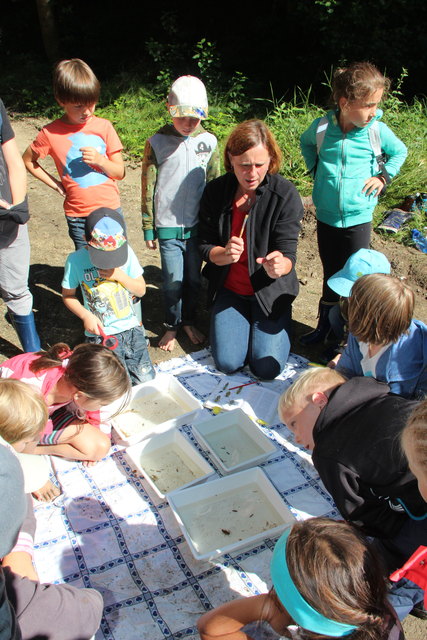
(343, 153)
(385, 342)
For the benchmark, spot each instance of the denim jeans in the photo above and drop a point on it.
(132, 351)
(242, 334)
(181, 263)
(76, 229)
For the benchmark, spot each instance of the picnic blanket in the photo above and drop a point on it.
(110, 531)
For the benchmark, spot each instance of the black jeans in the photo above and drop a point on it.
(336, 245)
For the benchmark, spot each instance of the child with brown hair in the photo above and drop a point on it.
(326, 581)
(86, 149)
(385, 342)
(75, 386)
(343, 152)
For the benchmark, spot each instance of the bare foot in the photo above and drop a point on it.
(194, 334)
(167, 342)
(47, 492)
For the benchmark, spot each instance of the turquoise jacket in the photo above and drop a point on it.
(345, 162)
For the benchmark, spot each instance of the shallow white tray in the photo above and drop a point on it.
(169, 462)
(155, 407)
(233, 440)
(225, 515)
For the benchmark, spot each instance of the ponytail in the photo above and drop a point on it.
(91, 368)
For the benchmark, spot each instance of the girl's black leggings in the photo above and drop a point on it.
(336, 245)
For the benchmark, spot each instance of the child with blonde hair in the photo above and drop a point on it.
(385, 342)
(414, 443)
(23, 413)
(351, 427)
(344, 152)
(37, 610)
(326, 581)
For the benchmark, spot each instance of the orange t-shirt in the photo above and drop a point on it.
(237, 279)
(87, 187)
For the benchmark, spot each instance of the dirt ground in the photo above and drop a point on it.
(50, 245)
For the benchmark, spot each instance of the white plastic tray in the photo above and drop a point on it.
(225, 515)
(168, 462)
(156, 406)
(234, 441)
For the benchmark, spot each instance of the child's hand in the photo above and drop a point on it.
(111, 274)
(91, 323)
(59, 188)
(4, 204)
(91, 156)
(373, 186)
(151, 244)
(234, 249)
(275, 264)
(333, 363)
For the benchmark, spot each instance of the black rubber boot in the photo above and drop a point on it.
(323, 326)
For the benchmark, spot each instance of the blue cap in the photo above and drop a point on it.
(300, 611)
(361, 263)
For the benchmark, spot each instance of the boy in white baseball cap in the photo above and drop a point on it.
(178, 161)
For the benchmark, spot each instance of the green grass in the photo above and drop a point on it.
(137, 112)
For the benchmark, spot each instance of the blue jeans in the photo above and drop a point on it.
(181, 263)
(132, 351)
(76, 229)
(242, 334)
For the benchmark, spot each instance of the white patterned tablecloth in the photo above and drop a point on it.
(110, 531)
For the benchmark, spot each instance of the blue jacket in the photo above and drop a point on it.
(345, 162)
(403, 366)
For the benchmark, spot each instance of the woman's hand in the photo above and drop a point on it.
(275, 264)
(234, 248)
(228, 254)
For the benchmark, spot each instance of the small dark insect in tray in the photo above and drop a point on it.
(234, 510)
(251, 515)
(226, 532)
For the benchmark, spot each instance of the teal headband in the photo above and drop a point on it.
(298, 608)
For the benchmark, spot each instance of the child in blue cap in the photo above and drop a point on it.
(109, 275)
(326, 581)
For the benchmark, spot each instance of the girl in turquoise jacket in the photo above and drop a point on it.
(339, 150)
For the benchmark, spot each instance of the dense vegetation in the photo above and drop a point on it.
(247, 58)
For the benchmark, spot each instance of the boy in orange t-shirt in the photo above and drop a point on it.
(86, 149)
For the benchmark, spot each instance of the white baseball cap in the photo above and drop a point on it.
(187, 98)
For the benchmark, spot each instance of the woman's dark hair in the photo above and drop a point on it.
(339, 575)
(91, 368)
(250, 134)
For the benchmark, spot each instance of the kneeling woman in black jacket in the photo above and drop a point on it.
(249, 225)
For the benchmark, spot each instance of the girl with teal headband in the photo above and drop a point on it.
(326, 582)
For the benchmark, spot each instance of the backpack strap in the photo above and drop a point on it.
(375, 142)
(322, 125)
